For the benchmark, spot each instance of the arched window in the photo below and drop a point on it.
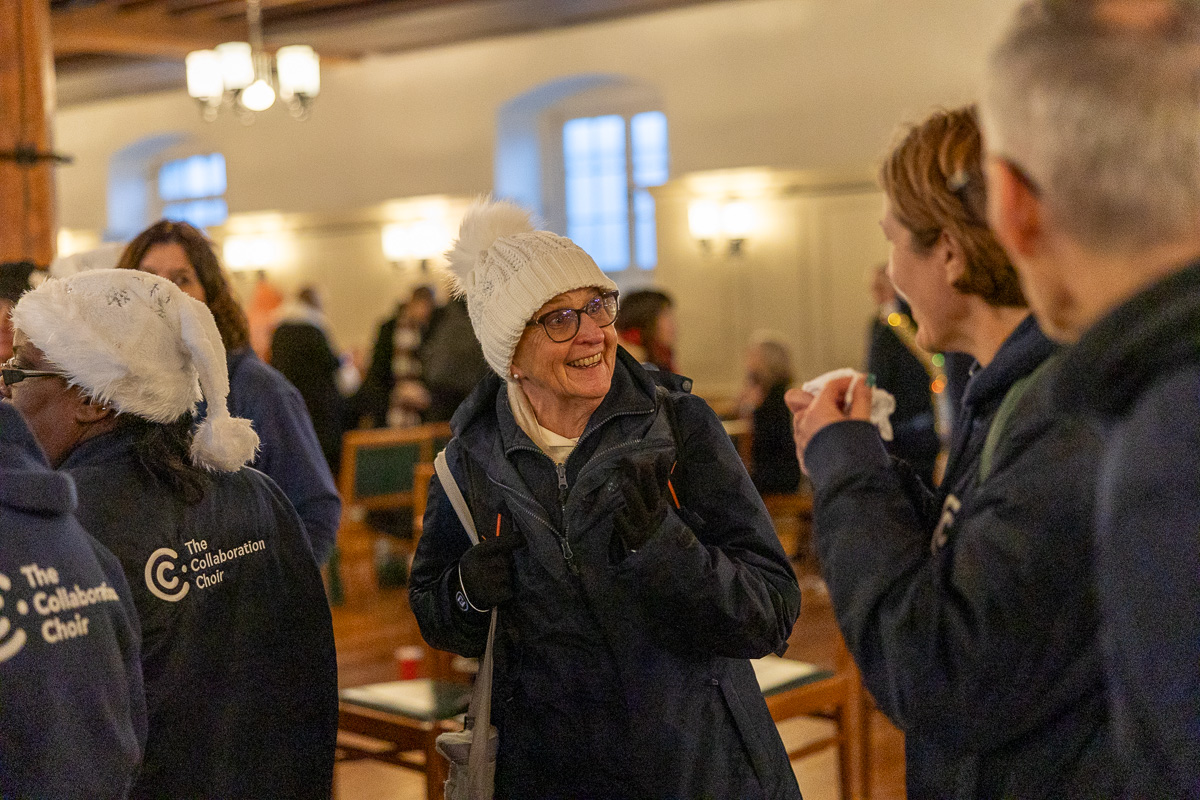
(192, 190)
(153, 178)
(582, 151)
(609, 163)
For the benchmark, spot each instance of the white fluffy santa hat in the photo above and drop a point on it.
(135, 342)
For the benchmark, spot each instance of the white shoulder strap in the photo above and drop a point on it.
(455, 494)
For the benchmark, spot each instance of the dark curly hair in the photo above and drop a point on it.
(230, 318)
(934, 182)
(164, 450)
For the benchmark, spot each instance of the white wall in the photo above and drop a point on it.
(784, 84)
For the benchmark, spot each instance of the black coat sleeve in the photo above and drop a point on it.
(977, 642)
(446, 621)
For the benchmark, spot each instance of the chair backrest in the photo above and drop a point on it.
(378, 465)
(422, 475)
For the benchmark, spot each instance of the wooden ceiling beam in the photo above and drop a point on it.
(146, 30)
(273, 10)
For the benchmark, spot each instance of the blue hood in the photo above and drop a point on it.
(26, 481)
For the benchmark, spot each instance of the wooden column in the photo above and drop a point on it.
(27, 224)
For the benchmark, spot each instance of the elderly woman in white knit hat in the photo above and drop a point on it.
(237, 642)
(632, 561)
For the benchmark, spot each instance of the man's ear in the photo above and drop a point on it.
(89, 411)
(1015, 211)
(954, 258)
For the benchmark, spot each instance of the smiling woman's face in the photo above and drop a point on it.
(922, 279)
(563, 378)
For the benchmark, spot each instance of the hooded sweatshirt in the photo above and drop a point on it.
(72, 709)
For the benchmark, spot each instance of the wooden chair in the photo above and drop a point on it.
(792, 515)
(398, 722)
(377, 473)
(798, 689)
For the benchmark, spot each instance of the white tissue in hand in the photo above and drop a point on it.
(882, 401)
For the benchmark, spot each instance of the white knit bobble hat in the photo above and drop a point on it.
(507, 270)
(135, 342)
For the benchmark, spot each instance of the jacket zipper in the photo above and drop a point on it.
(561, 471)
(564, 545)
(563, 541)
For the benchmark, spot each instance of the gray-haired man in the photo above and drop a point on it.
(1092, 120)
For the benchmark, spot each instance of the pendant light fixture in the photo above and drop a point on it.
(241, 75)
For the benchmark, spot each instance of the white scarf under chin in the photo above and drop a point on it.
(552, 444)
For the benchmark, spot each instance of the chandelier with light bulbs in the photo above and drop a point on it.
(240, 75)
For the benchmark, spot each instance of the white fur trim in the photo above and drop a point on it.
(135, 342)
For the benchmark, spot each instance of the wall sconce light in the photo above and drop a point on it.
(420, 240)
(734, 220)
(704, 222)
(252, 252)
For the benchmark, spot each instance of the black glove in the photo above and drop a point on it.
(645, 493)
(486, 570)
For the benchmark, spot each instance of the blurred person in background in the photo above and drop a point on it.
(972, 611)
(626, 622)
(14, 281)
(237, 641)
(773, 465)
(1092, 123)
(72, 705)
(290, 452)
(262, 312)
(646, 328)
(302, 350)
(904, 369)
(452, 361)
(393, 392)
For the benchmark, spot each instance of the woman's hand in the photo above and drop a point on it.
(645, 492)
(842, 399)
(486, 569)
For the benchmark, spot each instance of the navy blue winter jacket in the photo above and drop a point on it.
(237, 639)
(628, 677)
(972, 614)
(289, 452)
(72, 707)
(1137, 372)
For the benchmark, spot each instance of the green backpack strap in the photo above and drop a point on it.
(999, 422)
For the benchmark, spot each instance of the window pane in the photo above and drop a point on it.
(196, 176)
(170, 181)
(645, 235)
(597, 205)
(648, 131)
(216, 174)
(201, 213)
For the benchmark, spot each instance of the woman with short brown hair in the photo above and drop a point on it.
(971, 612)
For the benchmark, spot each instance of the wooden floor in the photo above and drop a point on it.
(374, 623)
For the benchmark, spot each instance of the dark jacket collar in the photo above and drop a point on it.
(632, 392)
(1154, 331)
(106, 448)
(1022, 351)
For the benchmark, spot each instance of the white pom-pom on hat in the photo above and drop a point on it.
(507, 270)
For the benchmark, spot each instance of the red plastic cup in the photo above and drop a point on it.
(408, 662)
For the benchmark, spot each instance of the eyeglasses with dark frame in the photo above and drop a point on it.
(562, 324)
(13, 375)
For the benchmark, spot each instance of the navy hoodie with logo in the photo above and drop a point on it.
(237, 637)
(72, 709)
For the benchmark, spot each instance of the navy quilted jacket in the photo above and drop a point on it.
(627, 678)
